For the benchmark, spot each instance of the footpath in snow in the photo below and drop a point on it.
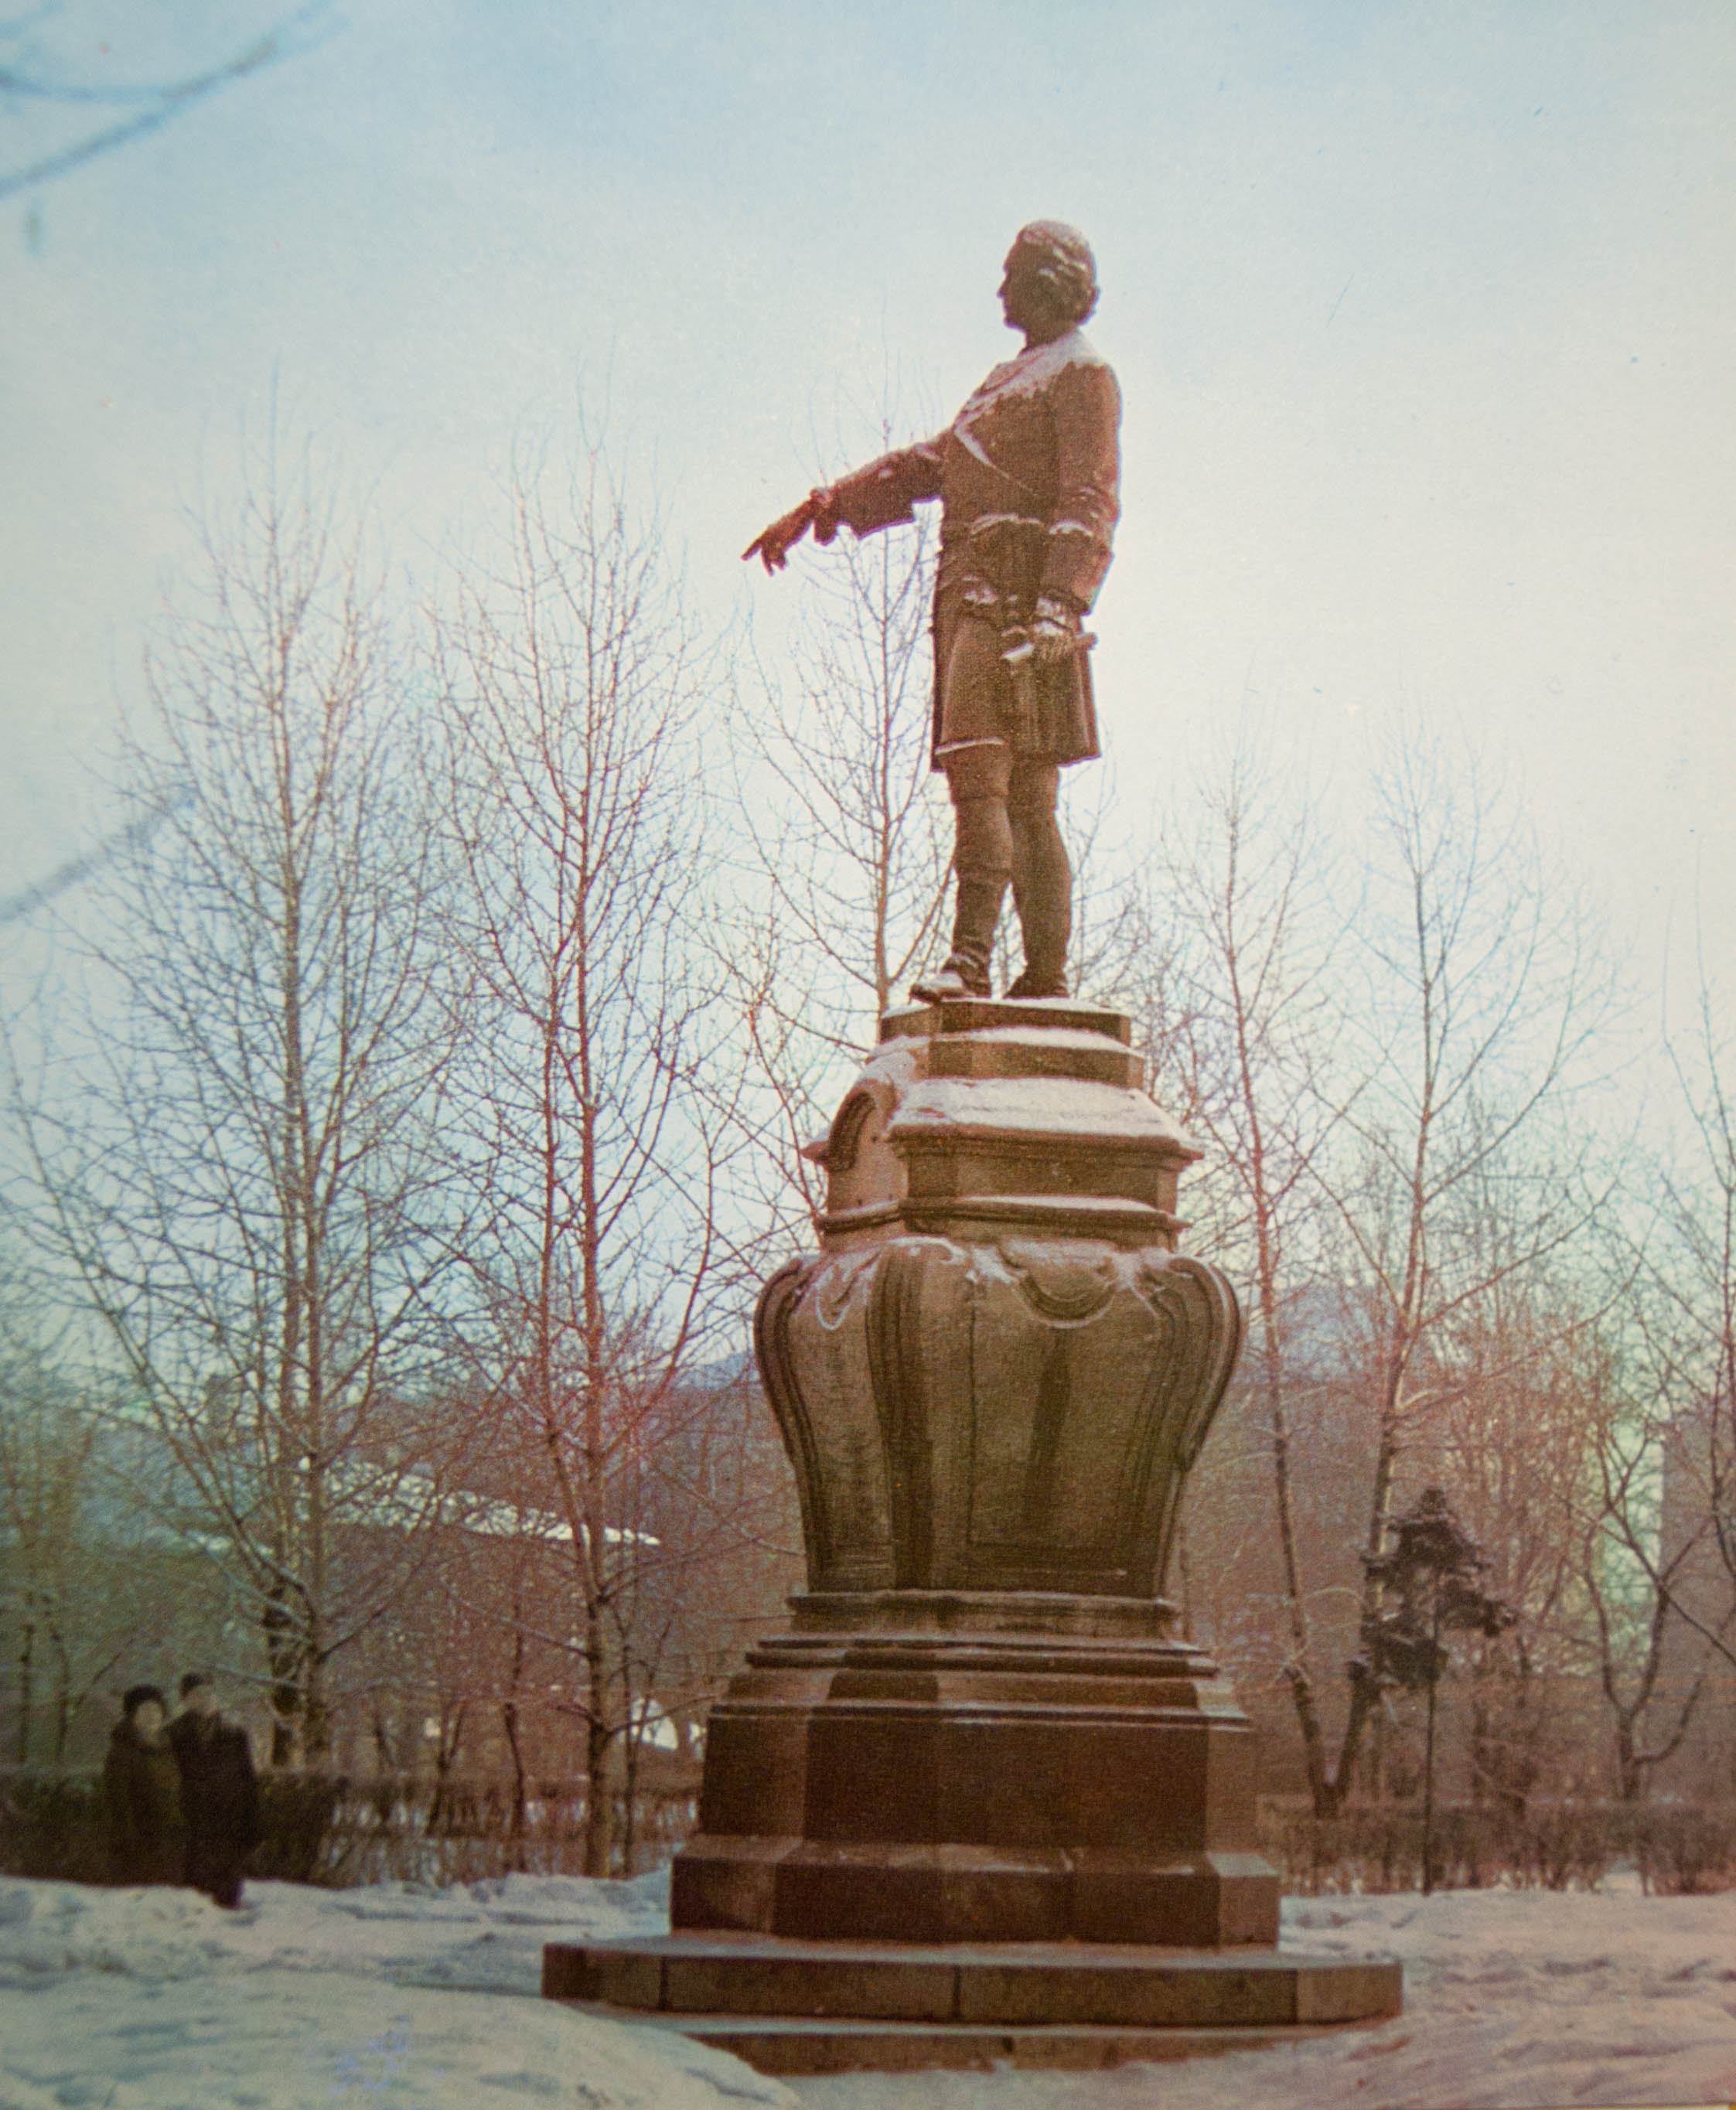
(425, 2000)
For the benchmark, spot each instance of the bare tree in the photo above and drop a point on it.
(599, 1123)
(1456, 1049)
(1660, 1535)
(1528, 1386)
(844, 836)
(1237, 1010)
(721, 1538)
(237, 1165)
(44, 1465)
(1114, 942)
(1690, 1267)
(71, 1606)
(1637, 1574)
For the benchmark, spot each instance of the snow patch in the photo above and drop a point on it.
(1070, 1106)
(154, 1999)
(1030, 370)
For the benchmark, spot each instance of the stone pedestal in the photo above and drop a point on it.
(931, 1766)
(980, 1727)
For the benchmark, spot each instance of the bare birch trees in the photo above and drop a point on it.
(234, 1163)
(597, 1119)
(395, 1154)
(1660, 1549)
(75, 1600)
(1376, 1053)
(1243, 1025)
(1478, 998)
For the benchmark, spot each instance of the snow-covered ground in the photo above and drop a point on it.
(390, 1996)
(1513, 2000)
(155, 2000)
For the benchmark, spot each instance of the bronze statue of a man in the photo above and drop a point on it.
(1026, 476)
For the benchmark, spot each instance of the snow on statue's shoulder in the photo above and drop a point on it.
(1032, 370)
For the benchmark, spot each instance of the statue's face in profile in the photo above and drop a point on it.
(1025, 300)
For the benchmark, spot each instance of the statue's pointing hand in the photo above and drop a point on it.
(774, 545)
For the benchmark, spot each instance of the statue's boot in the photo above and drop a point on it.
(1043, 894)
(965, 970)
(1030, 985)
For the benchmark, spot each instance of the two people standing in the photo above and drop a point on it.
(181, 1797)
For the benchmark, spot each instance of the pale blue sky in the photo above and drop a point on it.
(1423, 317)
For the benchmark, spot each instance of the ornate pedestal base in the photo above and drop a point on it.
(979, 1801)
(987, 1766)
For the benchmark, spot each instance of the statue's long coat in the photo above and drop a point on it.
(1027, 475)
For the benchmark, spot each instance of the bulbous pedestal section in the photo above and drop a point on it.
(1017, 1413)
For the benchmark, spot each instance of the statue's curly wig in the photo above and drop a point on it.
(1068, 270)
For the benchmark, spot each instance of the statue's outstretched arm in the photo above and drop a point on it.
(881, 496)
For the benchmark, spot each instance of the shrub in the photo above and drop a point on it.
(296, 1812)
(1553, 1845)
(320, 1828)
(52, 1827)
(1685, 1849)
(1569, 1845)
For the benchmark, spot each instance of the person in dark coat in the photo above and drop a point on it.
(141, 1794)
(220, 1793)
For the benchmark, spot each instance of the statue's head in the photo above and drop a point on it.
(1050, 281)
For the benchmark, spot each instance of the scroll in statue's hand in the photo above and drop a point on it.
(1056, 636)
